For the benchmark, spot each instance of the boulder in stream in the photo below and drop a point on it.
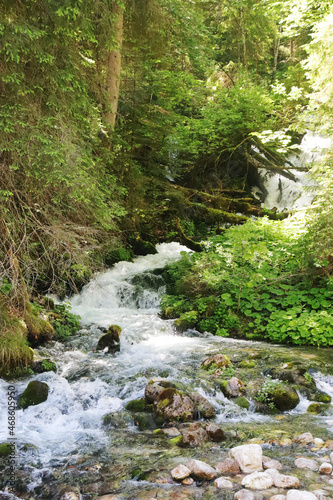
(110, 341)
(248, 457)
(217, 361)
(275, 395)
(35, 393)
(172, 404)
(203, 406)
(233, 388)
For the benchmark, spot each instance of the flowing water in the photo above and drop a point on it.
(68, 427)
(286, 194)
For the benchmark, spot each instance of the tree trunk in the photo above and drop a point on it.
(113, 67)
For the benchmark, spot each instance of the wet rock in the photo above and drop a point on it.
(282, 396)
(152, 391)
(325, 468)
(35, 393)
(223, 484)
(283, 481)
(188, 481)
(306, 463)
(172, 405)
(228, 466)
(180, 472)
(246, 363)
(171, 431)
(305, 438)
(194, 437)
(271, 463)
(217, 361)
(201, 470)
(205, 408)
(300, 495)
(248, 457)
(322, 397)
(244, 495)
(233, 388)
(111, 340)
(44, 365)
(258, 481)
(242, 402)
(215, 432)
(293, 375)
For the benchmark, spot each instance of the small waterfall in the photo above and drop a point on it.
(285, 194)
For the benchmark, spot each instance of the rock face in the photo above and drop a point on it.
(204, 407)
(233, 388)
(248, 457)
(306, 463)
(35, 393)
(180, 472)
(217, 361)
(111, 340)
(201, 470)
(171, 404)
(258, 481)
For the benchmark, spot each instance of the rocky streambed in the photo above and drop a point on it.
(116, 423)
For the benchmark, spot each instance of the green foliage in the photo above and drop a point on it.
(253, 282)
(266, 390)
(64, 322)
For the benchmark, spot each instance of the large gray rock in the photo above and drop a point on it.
(258, 481)
(248, 457)
(201, 470)
(300, 495)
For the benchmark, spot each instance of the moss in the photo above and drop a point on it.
(136, 405)
(142, 247)
(118, 255)
(176, 441)
(5, 449)
(242, 402)
(35, 393)
(247, 364)
(15, 353)
(317, 408)
(323, 398)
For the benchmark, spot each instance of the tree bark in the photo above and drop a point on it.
(113, 67)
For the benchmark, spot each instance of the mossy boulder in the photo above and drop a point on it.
(204, 408)
(111, 340)
(281, 397)
(142, 247)
(118, 255)
(217, 361)
(144, 421)
(317, 408)
(154, 388)
(246, 363)
(322, 397)
(233, 388)
(242, 402)
(35, 393)
(172, 405)
(138, 405)
(293, 375)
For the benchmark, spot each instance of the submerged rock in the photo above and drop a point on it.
(248, 457)
(180, 472)
(35, 393)
(111, 340)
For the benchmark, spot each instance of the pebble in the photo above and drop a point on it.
(188, 481)
(223, 484)
(305, 438)
(306, 463)
(201, 470)
(258, 481)
(180, 472)
(325, 468)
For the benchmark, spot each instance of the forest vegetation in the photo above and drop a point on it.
(124, 123)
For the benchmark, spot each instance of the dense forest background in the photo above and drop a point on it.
(126, 123)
